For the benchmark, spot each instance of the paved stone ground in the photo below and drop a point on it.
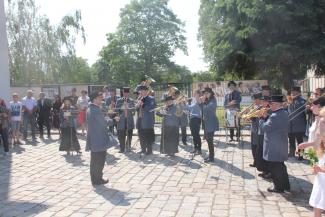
(38, 180)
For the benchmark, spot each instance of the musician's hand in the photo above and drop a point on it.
(285, 105)
(316, 169)
(117, 118)
(232, 102)
(308, 107)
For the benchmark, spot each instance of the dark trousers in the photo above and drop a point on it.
(5, 137)
(125, 138)
(232, 132)
(279, 175)
(195, 124)
(261, 164)
(44, 121)
(183, 129)
(29, 119)
(147, 137)
(254, 148)
(293, 137)
(97, 162)
(209, 138)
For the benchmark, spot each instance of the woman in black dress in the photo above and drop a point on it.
(69, 140)
(56, 112)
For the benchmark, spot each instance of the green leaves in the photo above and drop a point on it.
(146, 39)
(253, 38)
(38, 49)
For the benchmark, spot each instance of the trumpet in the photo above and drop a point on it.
(254, 114)
(239, 114)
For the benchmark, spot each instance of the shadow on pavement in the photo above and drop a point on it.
(114, 196)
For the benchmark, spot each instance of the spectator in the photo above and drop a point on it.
(44, 107)
(4, 125)
(82, 105)
(29, 114)
(15, 109)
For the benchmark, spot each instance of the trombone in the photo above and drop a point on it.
(300, 109)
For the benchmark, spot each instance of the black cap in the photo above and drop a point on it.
(296, 88)
(126, 89)
(232, 83)
(67, 98)
(257, 96)
(94, 94)
(265, 87)
(142, 87)
(208, 90)
(276, 98)
(265, 98)
(320, 101)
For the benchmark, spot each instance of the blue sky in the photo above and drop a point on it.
(102, 16)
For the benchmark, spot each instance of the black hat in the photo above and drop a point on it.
(177, 92)
(208, 90)
(257, 96)
(167, 98)
(126, 89)
(67, 98)
(320, 101)
(142, 87)
(94, 94)
(265, 87)
(276, 98)
(296, 88)
(232, 83)
(265, 98)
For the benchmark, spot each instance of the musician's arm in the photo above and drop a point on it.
(149, 105)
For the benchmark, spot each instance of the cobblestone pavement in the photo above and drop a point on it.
(38, 180)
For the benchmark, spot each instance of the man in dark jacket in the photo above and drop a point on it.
(44, 107)
(297, 120)
(146, 120)
(125, 107)
(275, 146)
(97, 138)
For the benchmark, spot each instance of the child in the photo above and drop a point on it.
(317, 197)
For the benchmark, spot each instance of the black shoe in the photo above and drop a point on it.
(120, 151)
(231, 140)
(252, 165)
(274, 190)
(194, 152)
(300, 158)
(101, 182)
(267, 176)
(208, 160)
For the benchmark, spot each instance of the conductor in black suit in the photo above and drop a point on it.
(44, 107)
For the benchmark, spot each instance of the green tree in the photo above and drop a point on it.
(268, 39)
(37, 48)
(146, 39)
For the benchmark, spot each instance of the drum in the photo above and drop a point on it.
(231, 118)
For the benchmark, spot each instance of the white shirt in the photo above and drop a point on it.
(29, 103)
(15, 110)
(82, 103)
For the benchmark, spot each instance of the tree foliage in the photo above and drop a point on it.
(146, 39)
(254, 38)
(40, 52)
